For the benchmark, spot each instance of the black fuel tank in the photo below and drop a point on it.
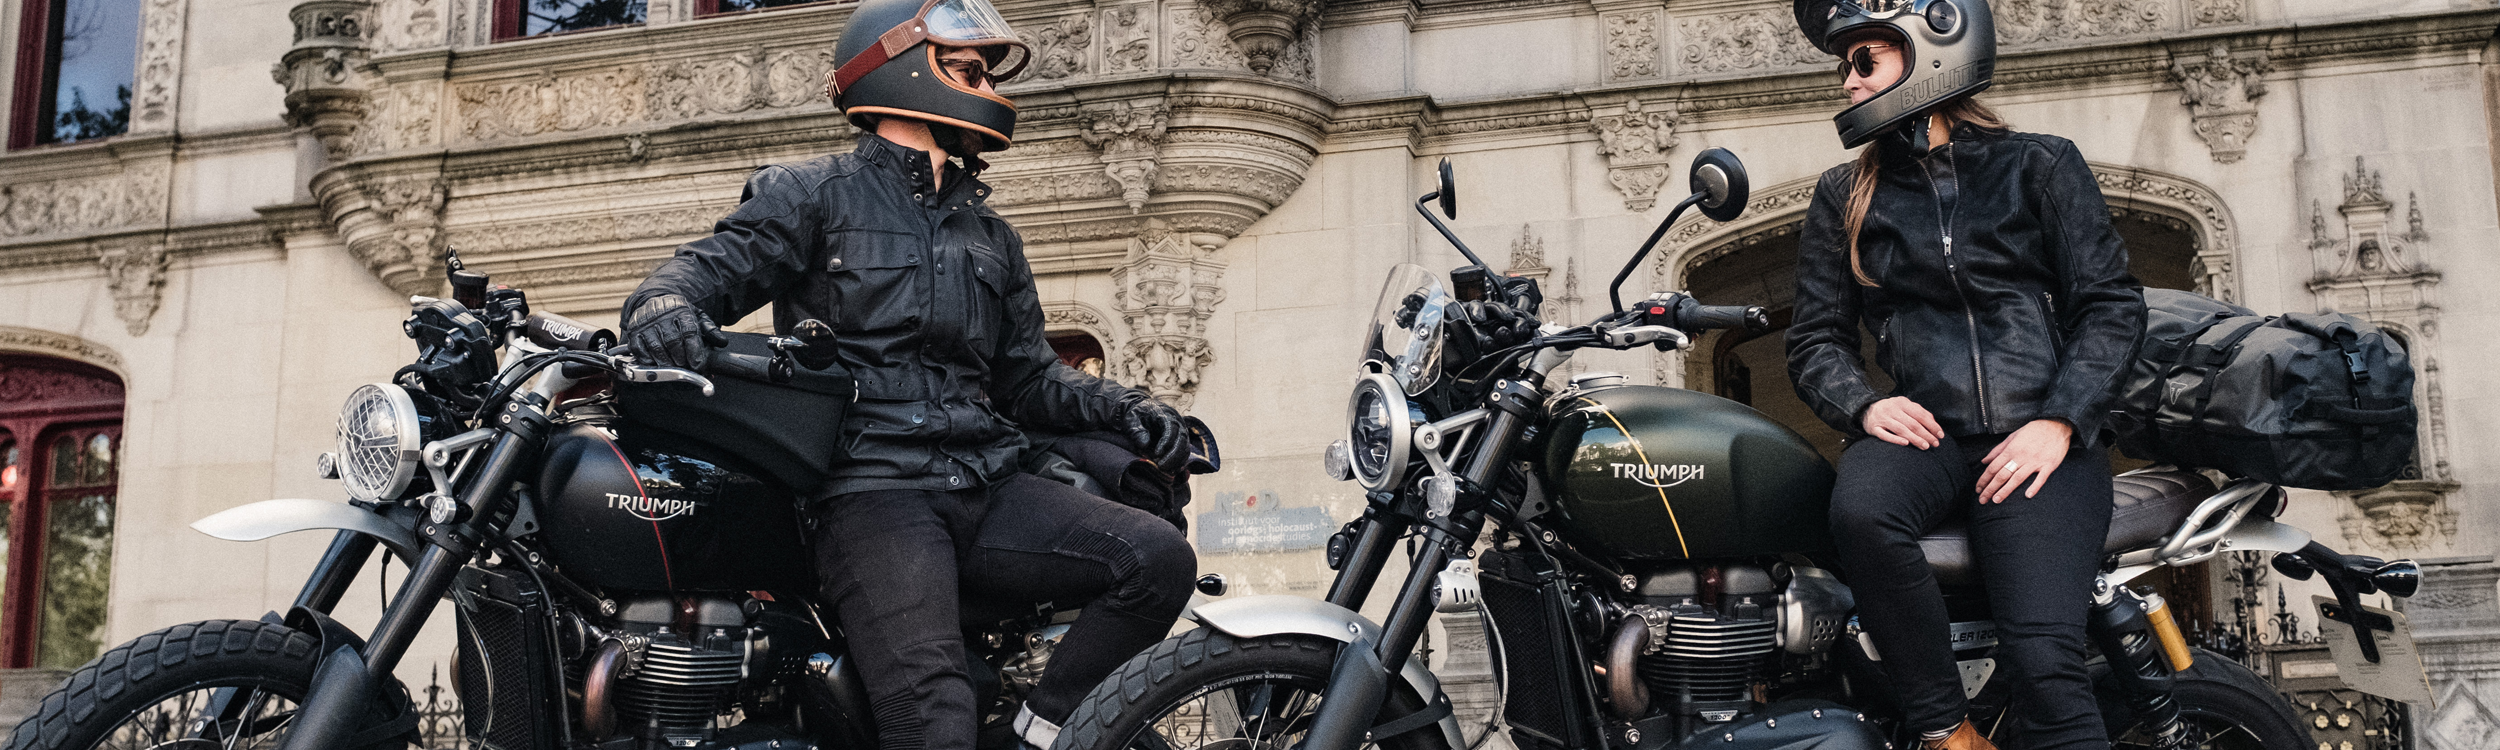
(1643, 472)
(645, 513)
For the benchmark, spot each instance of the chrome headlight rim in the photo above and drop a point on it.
(375, 467)
(1381, 451)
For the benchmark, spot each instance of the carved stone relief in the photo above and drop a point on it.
(1127, 135)
(2219, 12)
(2036, 21)
(1062, 47)
(2221, 92)
(2375, 271)
(135, 274)
(1073, 316)
(1201, 40)
(1266, 31)
(2216, 248)
(1128, 39)
(411, 24)
(1167, 289)
(153, 97)
(1632, 45)
(135, 197)
(1635, 143)
(17, 339)
(393, 225)
(1742, 41)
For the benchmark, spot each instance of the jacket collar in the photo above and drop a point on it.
(1896, 148)
(911, 165)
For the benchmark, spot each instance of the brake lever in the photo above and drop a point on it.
(1632, 336)
(634, 374)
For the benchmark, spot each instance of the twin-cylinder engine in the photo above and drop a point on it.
(1691, 644)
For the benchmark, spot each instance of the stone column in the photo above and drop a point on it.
(2456, 622)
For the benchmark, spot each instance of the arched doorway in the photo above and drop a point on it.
(60, 460)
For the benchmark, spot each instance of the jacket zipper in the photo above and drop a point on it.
(1952, 270)
(2057, 333)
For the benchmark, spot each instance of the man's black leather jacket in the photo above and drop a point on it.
(2002, 293)
(930, 294)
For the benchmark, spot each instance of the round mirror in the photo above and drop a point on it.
(1720, 178)
(1449, 190)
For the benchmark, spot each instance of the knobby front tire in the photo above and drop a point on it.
(158, 690)
(1204, 690)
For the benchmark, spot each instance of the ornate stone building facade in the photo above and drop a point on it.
(1210, 189)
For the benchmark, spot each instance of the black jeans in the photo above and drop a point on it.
(895, 563)
(2036, 556)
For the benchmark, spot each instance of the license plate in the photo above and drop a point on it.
(2397, 675)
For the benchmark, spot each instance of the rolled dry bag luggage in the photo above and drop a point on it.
(792, 431)
(2320, 401)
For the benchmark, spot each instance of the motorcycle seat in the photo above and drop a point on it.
(2145, 507)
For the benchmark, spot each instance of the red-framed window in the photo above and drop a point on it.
(60, 475)
(76, 63)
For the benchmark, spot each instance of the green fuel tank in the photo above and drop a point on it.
(1647, 473)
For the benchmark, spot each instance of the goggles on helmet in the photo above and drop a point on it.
(955, 23)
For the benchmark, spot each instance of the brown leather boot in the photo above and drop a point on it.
(1964, 737)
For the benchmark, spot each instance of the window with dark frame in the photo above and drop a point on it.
(60, 468)
(521, 19)
(718, 7)
(76, 63)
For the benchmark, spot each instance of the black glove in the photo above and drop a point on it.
(1159, 435)
(667, 331)
(1477, 329)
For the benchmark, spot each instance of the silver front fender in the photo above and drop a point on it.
(1276, 614)
(268, 518)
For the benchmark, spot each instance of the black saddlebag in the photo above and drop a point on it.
(792, 431)
(2321, 401)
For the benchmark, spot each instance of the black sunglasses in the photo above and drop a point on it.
(971, 73)
(1862, 59)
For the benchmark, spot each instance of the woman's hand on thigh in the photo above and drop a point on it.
(1901, 421)
(2032, 453)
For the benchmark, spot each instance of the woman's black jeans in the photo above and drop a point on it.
(896, 565)
(2037, 557)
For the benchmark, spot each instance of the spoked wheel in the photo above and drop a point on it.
(2223, 706)
(225, 718)
(216, 685)
(1204, 690)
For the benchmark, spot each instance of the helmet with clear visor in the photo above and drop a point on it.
(1948, 51)
(887, 65)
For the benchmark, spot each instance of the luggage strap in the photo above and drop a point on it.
(2167, 350)
(2206, 358)
(2357, 415)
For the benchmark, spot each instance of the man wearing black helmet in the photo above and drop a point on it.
(936, 315)
(1984, 260)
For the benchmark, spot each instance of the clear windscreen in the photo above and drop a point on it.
(1405, 338)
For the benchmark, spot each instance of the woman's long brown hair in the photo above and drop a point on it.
(1963, 111)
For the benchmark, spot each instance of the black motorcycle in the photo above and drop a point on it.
(1651, 565)
(621, 582)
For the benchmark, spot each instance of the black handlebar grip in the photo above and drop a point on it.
(746, 366)
(1698, 317)
(552, 331)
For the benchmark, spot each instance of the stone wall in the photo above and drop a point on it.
(1213, 189)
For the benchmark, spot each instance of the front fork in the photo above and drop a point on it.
(350, 678)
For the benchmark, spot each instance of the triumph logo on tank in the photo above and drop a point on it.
(650, 509)
(1660, 476)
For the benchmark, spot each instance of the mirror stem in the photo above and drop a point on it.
(1615, 293)
(1445, 228)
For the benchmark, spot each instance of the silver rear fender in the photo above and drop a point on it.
(1276, 614)
(268, 518)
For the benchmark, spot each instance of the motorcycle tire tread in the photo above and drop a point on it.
(188, 653)
(1095, 718)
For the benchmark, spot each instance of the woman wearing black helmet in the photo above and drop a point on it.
(1984, 262)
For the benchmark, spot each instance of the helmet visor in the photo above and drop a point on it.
(974, 23)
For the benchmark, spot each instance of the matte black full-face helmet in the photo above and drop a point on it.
(887, 66)
(1948, 48)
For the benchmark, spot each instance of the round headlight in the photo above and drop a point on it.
(378, 441)
(1379, 431)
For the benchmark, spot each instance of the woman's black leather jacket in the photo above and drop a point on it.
(2002, 292)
